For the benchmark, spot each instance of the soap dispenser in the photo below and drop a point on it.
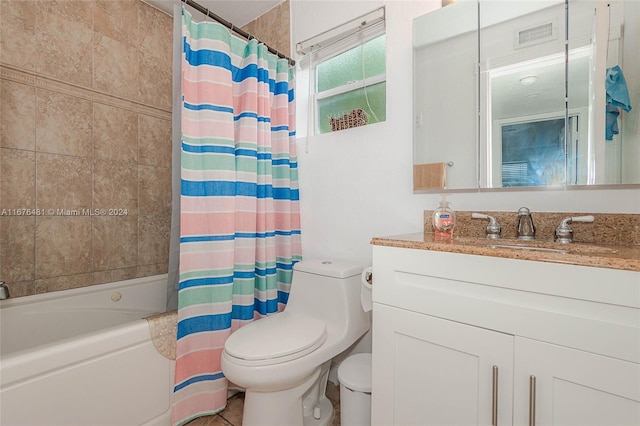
(444, 219)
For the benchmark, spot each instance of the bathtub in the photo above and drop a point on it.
(84, 357)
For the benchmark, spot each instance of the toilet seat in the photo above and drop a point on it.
(278, 338)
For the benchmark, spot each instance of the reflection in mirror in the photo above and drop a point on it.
(522, 78)
(610, 32)
(532, 128)
(445, 97)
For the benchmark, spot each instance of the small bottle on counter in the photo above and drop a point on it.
(444, 220)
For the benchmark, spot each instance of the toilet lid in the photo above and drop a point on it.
(277, 338)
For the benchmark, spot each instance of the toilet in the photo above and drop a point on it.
(282, 361)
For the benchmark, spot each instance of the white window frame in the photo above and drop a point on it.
(332, 43)
(355, 85)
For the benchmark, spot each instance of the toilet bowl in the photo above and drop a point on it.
(282, 361)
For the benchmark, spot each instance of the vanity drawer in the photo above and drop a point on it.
(592, 309)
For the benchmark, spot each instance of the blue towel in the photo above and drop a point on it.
(617, 96)
(616, 87)
(611, 127)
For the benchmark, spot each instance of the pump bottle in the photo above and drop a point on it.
(444, 219)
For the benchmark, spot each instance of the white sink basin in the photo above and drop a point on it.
(576, 248)
(534, 248)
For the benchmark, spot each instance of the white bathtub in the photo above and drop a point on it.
(84, 357)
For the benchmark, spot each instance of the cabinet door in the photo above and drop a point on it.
(574, 387)
(430, 371)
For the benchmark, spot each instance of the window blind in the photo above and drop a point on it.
(341, 38)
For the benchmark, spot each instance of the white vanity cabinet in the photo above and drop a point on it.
(461, 340)
(430, 371)
(574, 387)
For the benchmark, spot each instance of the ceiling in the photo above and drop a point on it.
(238, 12)
(513, 97)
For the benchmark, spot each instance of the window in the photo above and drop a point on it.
(348, 66)
(347, 98)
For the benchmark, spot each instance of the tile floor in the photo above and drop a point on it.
(232, 415)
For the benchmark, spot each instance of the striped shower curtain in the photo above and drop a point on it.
(240, 220)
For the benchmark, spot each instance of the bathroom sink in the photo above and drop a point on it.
(522, 247)
(575, 248)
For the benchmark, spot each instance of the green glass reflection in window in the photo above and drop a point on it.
(347, 66)
(344, 103)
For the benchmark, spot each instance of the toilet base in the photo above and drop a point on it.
(291, 407)
(327, 414)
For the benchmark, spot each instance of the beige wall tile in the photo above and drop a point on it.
(154, 141)
(115, 133)
(77, 11)
(17, 251)
(153, 239)
(153, 197)
(18, 17)
(64, 44)
(101, 277)
(117, 19)
(64, 124)
(87, 155)
(18, 182)
(156, 34)
(64, 282)
(155, 83)
(154, 214)
(115, 242)
(115, 186)
(156, 50)
(115, 67)
(63, 246)
(17, 115)
(273, 28)
(149, 270)
(63, 182)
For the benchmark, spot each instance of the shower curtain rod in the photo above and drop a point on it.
(233, 28)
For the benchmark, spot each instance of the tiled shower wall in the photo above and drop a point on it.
(85, 142)
(273, 28)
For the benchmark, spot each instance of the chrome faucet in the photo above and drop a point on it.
(526, 230)
(564, 233)
(4, 291)
(493, 228)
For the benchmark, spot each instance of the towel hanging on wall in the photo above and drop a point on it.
(617, 97)
(429, 176)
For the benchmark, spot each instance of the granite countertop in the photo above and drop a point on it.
(626, 257)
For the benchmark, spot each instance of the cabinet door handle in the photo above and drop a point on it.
(532, 400)
(494, 404)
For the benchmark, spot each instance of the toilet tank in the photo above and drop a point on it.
(329, 290)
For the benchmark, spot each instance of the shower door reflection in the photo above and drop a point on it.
(534, 153)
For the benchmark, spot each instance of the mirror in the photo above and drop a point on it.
(491, 107)
(445, 100)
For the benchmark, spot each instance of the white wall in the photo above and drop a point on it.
(357, 184)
